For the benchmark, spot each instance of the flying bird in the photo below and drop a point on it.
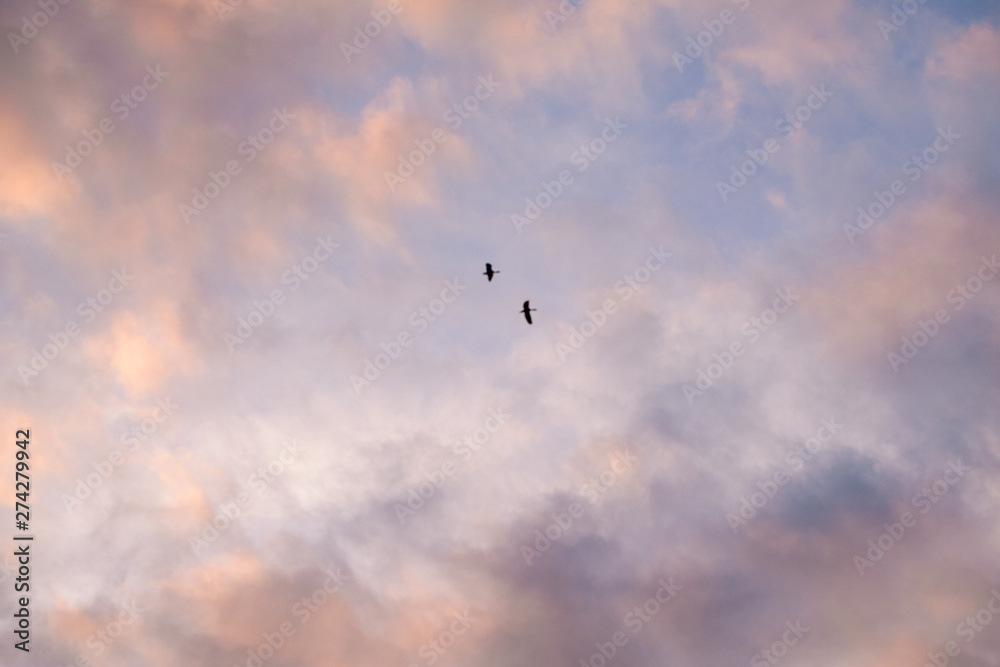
(527, 312)
(489, 271)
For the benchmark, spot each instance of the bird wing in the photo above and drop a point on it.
(525, 306)
(527, 316)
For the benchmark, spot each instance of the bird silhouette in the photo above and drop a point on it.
(527, 312)
(489, 271)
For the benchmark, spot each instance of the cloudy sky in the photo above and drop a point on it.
(279, 417)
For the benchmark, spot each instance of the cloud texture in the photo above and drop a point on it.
(279, 418)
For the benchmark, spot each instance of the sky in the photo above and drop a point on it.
(277, 415)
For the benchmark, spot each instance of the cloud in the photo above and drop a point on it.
(322, 176)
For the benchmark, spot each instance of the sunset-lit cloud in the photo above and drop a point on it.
(279, 417)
